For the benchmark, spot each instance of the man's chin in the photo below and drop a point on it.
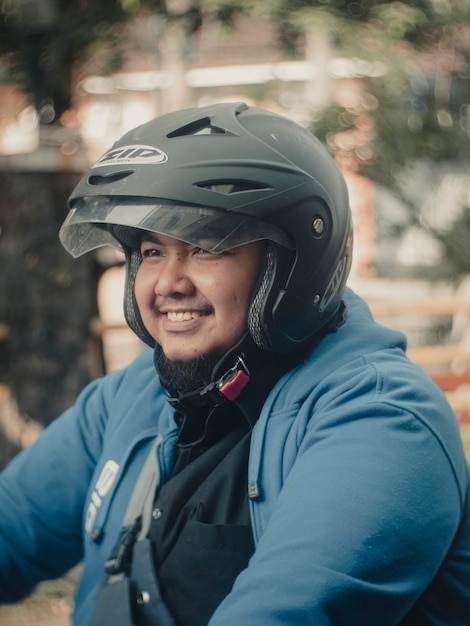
(183, 375)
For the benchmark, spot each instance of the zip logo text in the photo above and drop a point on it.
(132, 155)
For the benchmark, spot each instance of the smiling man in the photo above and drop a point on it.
(272, 457)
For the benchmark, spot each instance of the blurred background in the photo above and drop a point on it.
(385, 85)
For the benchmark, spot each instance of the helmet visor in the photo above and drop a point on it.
(214, 230)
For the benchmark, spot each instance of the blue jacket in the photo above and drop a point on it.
(362, 510)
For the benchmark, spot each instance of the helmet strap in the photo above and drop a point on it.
(227, 388)
(229, 378)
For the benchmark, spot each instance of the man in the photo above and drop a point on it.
(287, 464)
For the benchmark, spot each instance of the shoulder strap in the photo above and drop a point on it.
(141, 502)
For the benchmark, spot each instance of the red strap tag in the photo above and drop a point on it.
(234, 387)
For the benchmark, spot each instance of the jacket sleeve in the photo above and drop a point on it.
(42, 493)
(363, 519)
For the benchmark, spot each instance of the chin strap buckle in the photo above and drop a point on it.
(232, 383)
(228, 387)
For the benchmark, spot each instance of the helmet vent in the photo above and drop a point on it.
(112, 178)
(199, 127)
(228, 187)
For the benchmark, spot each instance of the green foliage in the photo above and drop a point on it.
(407, 124)
(416, 111)
(76, 26)
(67, 34)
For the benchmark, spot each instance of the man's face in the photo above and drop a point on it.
(192, 302)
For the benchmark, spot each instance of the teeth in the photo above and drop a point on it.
(182, 316)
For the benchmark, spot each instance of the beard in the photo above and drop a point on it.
(182, 376)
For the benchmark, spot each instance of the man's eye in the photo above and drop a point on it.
(150, 252)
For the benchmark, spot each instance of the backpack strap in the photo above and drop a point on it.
(137, 519)
(141, 502)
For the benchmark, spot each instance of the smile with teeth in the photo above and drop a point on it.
(182, 316)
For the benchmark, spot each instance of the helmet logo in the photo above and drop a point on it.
(132, 155)
(334, 284)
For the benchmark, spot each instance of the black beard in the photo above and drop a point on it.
(181, 376)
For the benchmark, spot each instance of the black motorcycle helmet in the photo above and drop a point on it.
(218, 177)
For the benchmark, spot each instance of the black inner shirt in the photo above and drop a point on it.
(202, 536)
(201, 532)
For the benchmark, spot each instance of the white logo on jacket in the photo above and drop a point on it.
(102, 487)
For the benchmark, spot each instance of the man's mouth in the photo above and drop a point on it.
(183, 316)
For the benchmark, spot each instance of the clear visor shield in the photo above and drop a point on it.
(86, 226)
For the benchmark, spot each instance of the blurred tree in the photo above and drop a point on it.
(42, 40)
(418, 108)
(414, 112)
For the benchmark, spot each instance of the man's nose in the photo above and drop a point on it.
(174, 278)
